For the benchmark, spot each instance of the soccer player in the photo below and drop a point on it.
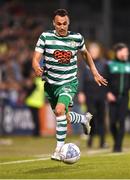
(59, 48)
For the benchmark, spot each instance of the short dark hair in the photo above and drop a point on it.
(60, 12)
(119, 46)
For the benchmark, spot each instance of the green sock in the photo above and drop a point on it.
(76, 118)
(61, 130)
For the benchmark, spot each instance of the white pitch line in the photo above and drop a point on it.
(24, 161)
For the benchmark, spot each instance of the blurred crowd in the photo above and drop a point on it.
(18, 34)
(19, 31)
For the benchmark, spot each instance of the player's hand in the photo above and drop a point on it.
(38, 71)
(100, 79)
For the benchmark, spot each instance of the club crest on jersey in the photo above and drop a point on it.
(72, 43)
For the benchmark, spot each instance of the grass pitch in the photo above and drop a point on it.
(29, 158)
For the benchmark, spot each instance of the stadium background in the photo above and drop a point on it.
(21, 22)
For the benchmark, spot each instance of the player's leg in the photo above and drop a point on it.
(62, 116)
(66, 95)
(49, 94)
(74, 117)
(63, 94)
(61, 125)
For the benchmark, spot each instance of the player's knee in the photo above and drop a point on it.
(60, 110)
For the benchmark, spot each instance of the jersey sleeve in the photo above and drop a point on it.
(82, 46)
(40, 44)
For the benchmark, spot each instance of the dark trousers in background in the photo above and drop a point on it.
(117, 114)
(96, 106)
(35, 116)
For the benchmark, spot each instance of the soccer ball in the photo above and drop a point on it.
(70, 153)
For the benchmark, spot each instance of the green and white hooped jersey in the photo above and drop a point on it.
(60, 54)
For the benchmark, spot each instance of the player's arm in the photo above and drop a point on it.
(98, 78)
(36, 63)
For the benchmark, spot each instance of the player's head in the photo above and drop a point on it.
(61, 22)
(121, 51)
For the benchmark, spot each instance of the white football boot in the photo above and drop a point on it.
(56, 155)
(86, 124)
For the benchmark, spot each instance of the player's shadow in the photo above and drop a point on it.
(53, 169)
